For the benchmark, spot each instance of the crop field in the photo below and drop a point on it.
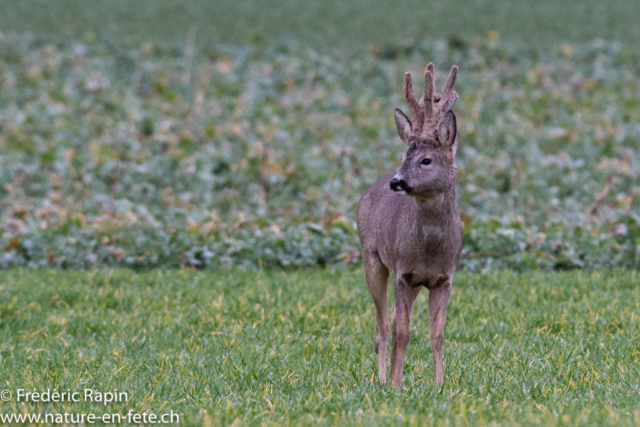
(326, 24)
(256, 156)
(269, 348)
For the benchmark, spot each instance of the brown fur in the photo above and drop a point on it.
(417, 236)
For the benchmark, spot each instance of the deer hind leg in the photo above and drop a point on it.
(438, 300)
(401, 327)
(377, 274)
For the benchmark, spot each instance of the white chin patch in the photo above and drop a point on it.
(401, 193)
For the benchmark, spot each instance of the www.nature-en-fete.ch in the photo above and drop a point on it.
(84, 418)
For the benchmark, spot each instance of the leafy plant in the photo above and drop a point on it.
(256, 155)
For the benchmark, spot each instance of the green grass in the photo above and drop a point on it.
(274, 348)
(328, 23)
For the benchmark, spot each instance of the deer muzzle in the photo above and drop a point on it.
(400, 186)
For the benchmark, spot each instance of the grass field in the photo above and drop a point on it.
(327, 24)
(270, 348)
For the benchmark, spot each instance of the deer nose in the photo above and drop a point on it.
(399, 185)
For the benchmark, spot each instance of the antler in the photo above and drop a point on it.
(415, 109)
(424, 114)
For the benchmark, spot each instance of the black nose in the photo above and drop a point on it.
(401, 184)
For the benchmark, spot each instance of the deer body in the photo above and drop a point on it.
(422, 241)
(409, 224)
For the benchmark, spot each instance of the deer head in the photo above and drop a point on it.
(428, 165)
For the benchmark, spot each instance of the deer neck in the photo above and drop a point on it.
(435, 210)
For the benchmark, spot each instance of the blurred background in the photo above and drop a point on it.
(235, 133)
(326, 24)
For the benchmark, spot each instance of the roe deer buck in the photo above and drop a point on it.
(417, 236)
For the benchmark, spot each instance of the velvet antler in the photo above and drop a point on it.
(424, 114)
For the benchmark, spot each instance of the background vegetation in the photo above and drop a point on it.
(328, 23)
(256, 155)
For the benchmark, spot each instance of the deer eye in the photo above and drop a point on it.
(425, 162)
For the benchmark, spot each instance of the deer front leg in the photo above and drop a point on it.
(401, 327)
(377, 274)
(438, 300)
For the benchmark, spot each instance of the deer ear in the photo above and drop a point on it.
(447, 132)
(403, 124)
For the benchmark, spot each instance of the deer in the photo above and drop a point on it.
(409, 223)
